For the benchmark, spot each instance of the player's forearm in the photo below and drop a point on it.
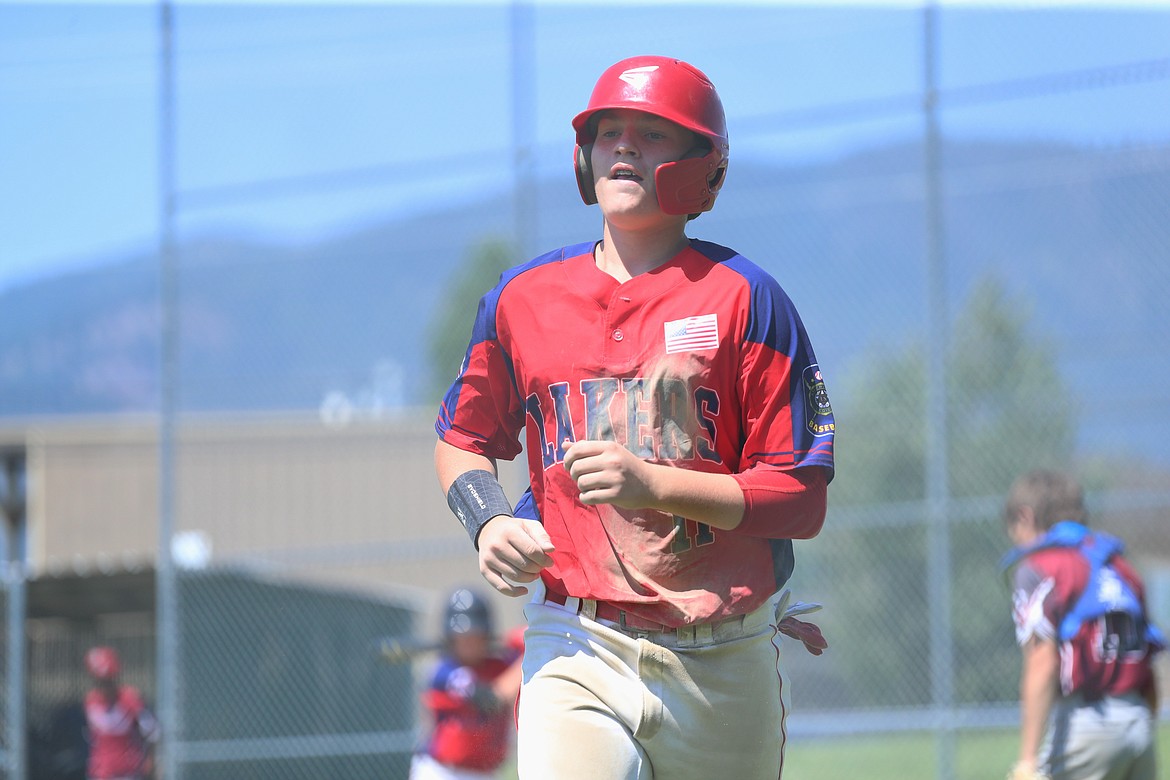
(1039, 681)
(450, 462)
(714, 499)
(763, 501)
(1033, 724)
(472, 489)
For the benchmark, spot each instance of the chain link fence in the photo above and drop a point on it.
(975, 239)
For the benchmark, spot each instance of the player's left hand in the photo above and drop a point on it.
(608, 473)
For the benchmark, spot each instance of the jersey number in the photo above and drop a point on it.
(1119, 634)
(688, 534)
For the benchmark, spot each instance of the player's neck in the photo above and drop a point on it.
(624, 255)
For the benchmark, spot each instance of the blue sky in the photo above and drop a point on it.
(406, 106)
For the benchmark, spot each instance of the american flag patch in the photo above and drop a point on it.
(692, 334)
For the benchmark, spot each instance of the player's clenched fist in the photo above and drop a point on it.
(608, 473)
(513, 550)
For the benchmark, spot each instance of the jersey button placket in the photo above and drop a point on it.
(618, 338)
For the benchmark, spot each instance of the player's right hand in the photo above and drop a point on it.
(513, 550)
(1026, 770)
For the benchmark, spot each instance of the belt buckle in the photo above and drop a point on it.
(637, 633)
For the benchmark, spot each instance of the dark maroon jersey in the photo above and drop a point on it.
(1104, 657)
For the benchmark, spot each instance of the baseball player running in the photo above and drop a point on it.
(679, 437)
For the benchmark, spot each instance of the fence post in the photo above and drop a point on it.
(13, 505)
(165, 587)
(523, 70)
(937, 467)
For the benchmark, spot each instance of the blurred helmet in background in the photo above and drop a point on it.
(467, 612)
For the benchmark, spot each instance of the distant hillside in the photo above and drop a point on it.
(271, 327)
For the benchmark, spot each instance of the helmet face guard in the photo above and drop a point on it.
(673, 90)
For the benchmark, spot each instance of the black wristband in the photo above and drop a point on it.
(475, 497)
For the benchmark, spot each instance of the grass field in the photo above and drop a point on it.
(979, 755)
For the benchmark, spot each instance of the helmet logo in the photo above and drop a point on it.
(638, 77)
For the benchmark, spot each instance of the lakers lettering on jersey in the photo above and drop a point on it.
(702, 363)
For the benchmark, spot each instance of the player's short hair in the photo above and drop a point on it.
(1051, 495)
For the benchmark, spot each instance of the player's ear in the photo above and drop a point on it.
(584, 168)
(1024, 524)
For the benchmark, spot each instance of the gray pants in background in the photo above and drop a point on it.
(1110, 739)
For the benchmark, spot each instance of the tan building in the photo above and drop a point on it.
(352, 505)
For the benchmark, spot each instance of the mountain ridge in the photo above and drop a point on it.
(267, 326)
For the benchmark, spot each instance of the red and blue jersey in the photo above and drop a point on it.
(471, 728)
(120, 729)
(702, 363)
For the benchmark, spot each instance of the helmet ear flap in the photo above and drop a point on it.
(584, 168)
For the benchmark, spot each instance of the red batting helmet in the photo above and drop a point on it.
(102, 663)
(674, 90)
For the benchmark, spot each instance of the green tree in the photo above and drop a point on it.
(451, 327)
(1008, 411)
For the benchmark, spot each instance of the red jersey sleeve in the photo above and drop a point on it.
(788, 504)
(483, 410)
(788, 420)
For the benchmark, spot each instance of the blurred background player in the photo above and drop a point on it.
(1087, 687)
(122, 731)
(471, 695)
